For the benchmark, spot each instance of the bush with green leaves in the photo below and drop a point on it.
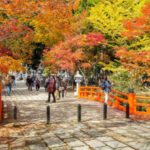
(121, 81)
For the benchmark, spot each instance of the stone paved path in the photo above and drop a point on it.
(64, 133)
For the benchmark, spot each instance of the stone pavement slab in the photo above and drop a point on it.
(38, 146)
(103, 148)
(105, 138)
(140, 145)
(81, 148)
(95, 143)
(53, 142)
(76, 143)
(115, 144)
(61, 148)
(125, 148)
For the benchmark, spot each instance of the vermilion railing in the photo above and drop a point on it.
(139, 105)
(1, 105)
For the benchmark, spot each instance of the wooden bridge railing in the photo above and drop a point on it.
(1, 105)
(139, 105)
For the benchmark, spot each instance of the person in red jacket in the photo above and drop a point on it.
(51, 89)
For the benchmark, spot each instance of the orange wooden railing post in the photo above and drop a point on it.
(97, 94)
(132, 102)
(1, 111)
(116, 103)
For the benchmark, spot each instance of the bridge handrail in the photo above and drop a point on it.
(143, 97)
(120, 99)
(1, 107)
(118, 92)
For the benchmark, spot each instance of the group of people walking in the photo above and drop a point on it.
(32, 81)
(53, 85)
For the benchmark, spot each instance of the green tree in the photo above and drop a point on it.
(86, 4)
(37, 54)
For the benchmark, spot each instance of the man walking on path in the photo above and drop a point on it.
(51, 89)
(106, 86)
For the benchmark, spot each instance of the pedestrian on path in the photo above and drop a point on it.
(64, 88)
(8, 84)
(47, 81)
(37, 84)
(33, 78)
(29, 83)
(51, 89)
(58, 87)
(106, 86)
(13, 80)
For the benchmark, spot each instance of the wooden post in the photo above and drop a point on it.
(48, 114)
(105, 111)
(116, 103)
(86, 94)
(132, 102)
(1, 111)
(127, 111)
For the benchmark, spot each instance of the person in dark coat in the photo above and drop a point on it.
(29, 83)
(37, 84)
(51, 89)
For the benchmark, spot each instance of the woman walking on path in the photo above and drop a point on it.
(51, 89)
(8, 84)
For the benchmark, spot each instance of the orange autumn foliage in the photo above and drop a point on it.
(135, 60)
(138, 26)
(7, 64)
(72, 53)
(137, 30)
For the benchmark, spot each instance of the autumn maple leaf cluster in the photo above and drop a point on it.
(70, 54)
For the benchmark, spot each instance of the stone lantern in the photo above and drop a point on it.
(78, 78)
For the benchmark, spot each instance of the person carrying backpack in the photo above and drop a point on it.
(106, 86)
(47, 80)
(51, 89)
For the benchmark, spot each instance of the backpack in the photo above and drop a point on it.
(105, 85)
